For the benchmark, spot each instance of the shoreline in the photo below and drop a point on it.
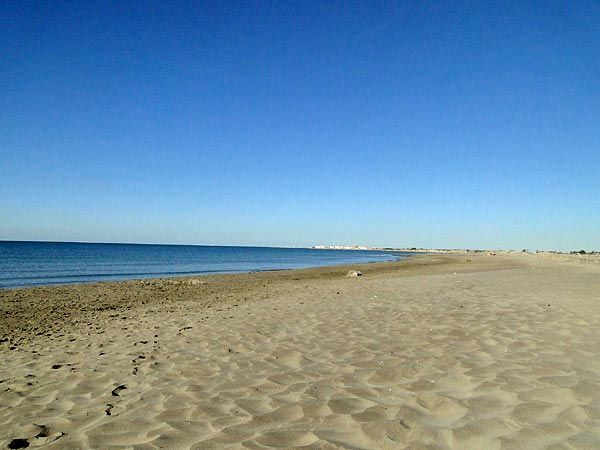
(67, 305)
(59, 263)
(150, 277)
(455, 351)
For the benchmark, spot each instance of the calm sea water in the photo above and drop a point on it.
(44, 263)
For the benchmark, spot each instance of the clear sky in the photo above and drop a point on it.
(434, 124)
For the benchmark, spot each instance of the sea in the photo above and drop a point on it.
(46, 263)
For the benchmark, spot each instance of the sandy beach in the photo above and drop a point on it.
(460, 351)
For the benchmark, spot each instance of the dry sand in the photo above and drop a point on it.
(502, 352)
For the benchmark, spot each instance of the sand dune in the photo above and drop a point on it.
(501, 352)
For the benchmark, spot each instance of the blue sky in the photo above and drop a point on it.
(434, 124)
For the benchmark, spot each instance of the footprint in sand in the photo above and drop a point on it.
(118, 389)
(43, 436)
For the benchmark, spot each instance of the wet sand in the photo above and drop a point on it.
(501, 352)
